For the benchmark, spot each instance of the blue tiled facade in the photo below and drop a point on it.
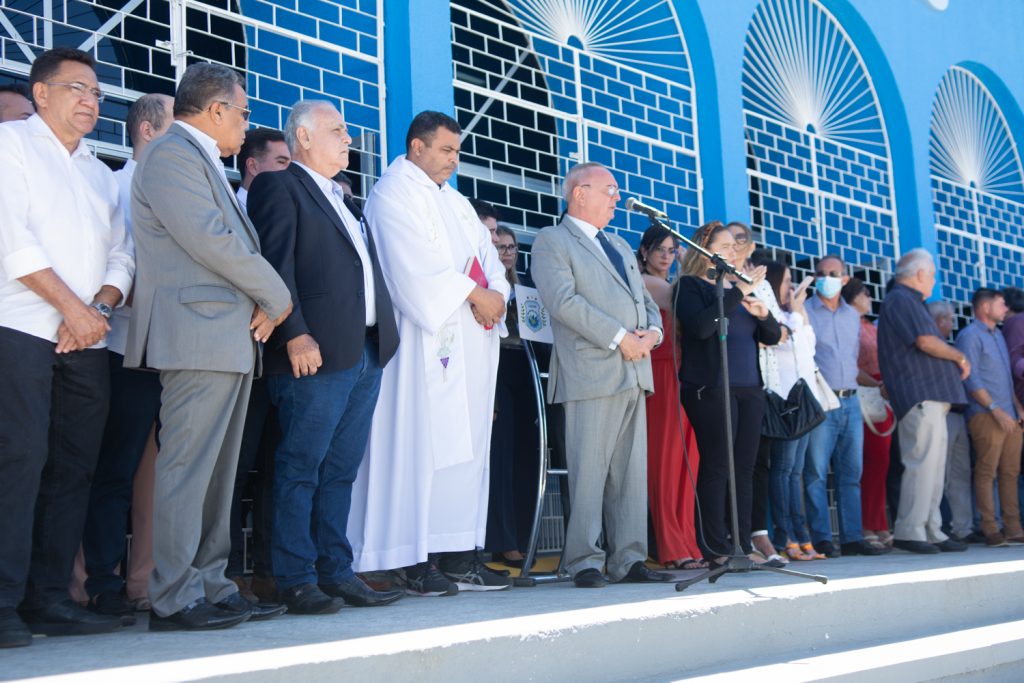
(676, 96)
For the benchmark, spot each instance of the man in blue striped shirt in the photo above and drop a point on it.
(993, 417)
(923, 376)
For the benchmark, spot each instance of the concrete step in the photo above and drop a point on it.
(990, 653)
(923, 605)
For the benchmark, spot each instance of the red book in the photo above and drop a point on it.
(475, 272)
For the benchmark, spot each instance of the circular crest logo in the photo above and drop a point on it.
(534, 315)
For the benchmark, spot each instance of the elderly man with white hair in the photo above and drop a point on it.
(324, 362)
(923, 375)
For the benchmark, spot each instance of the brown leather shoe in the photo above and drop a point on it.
(996, 540)
(244, 590)
(265, 588)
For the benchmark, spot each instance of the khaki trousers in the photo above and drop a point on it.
(997, 452)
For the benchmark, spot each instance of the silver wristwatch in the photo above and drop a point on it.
(105, 310)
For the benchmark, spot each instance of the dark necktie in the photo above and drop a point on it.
(613, 255)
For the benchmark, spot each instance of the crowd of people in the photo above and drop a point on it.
(173, 345)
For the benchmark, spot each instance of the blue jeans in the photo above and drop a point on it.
(787, 491)
(839, 440)
(325, 422)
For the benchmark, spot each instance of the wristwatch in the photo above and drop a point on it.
(992, 407)
(105, 310)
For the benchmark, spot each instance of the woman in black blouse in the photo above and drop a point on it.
(701, 385)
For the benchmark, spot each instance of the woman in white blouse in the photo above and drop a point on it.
(794, 360)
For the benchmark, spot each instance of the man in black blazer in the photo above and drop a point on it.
(324, 362)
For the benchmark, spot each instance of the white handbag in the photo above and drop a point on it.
(875, 410)
(829, 401)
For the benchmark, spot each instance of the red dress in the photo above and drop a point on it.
(670, 484)
(876, 448)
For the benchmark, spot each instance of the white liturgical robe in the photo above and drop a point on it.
(423, 484)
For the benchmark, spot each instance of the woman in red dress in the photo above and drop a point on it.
(877, 436)
(671, 445)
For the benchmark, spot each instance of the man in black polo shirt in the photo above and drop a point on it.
(923, 376)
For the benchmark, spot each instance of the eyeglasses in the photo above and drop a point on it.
(507, 248)
(245, 112)
(664, 251)
(611, 190)
(81, 90)
(741, 239)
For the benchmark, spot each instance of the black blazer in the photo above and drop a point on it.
(697, 314)
(306, 242)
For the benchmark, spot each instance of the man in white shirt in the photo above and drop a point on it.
(66, 263)
(15, 104)
(134, 405)
(264, 150)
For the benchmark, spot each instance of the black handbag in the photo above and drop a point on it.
(791, 417)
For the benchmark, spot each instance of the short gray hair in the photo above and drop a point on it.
(202, 85)
(913, 262)
(301, 116)
(937, 308)
(575, 177)
(149, 108)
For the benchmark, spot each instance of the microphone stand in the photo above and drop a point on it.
(737, 562)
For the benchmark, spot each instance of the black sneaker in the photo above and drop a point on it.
(469, 573)
(113, 605)
(13, 632)
(426, 579)
(827, 549)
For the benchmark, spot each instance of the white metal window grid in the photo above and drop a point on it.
(977, 191)
(787, 14)
(575, 132)
(59, 15)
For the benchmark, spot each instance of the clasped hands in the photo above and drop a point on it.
(488, 306)
(83, 326)
(637, 344)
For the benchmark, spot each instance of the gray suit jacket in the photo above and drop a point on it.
(199, 273)
(589, 303)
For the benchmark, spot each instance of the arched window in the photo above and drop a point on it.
(543, 84)
(818, 155)
(977, 189)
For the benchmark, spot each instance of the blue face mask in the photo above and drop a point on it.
(828, 286)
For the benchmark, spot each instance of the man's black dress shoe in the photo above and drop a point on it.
(13, 632)
(951, 545)
(307, 598)
(639, 573)
(358, 594)
(67, 618)
(589, 578)
(201, 615)
(863, 548)
(260, 611)
(920, 547)
(827, 549)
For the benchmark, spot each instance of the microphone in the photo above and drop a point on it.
(633, 205)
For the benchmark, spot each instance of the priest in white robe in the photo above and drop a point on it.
(420, 498)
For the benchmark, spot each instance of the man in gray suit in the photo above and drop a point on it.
(604, 326)
(204, 298)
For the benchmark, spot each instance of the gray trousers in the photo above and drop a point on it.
(923, 441)
(606, 454)
(958, 476)
(201, 419)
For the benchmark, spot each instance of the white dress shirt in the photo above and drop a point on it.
(591, 232)
(117, 338)
(59, 211)
(334, 196)
(242, 195)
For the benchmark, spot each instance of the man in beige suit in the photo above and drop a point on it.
(604, 326)
(204, 298)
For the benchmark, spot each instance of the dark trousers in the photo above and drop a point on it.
(134, 407)
(53, 408)
(325, 423)
(514, 463)
(704, 408)
(256, 476)
(762, 486)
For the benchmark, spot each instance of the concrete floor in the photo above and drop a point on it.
(424, 619)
